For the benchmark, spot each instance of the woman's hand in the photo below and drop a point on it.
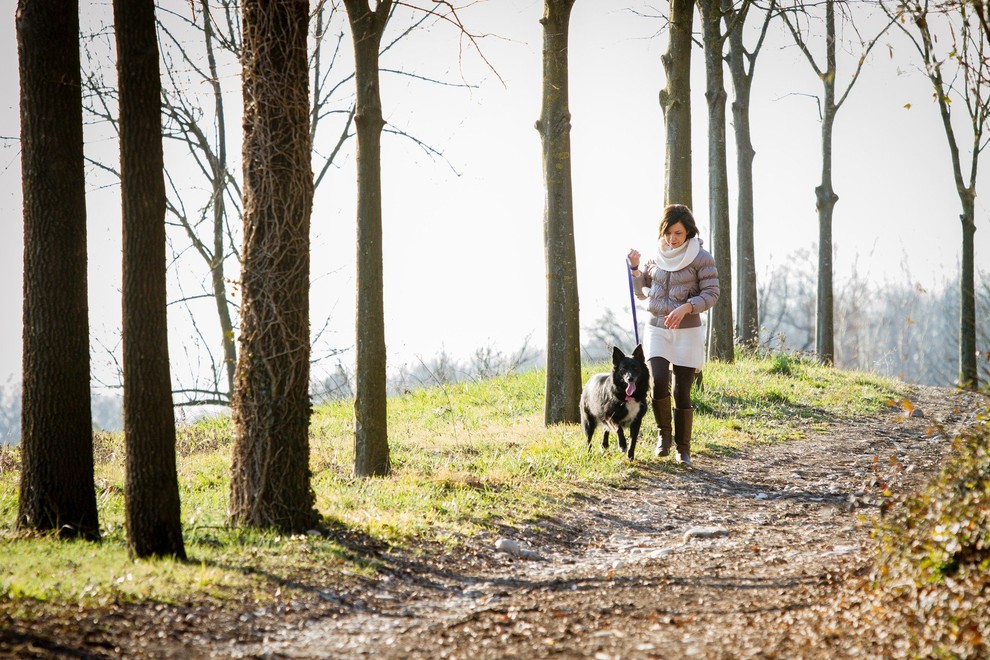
(633, 258)
(673, 320)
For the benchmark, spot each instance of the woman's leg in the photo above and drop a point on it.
(683, 380)
(683, 412)
(660, 374)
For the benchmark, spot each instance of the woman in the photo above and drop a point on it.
(683, 283)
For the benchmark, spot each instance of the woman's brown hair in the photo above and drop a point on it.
(674, 213)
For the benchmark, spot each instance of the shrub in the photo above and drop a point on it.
(934, 556)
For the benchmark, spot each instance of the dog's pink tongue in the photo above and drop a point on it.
(630, 388)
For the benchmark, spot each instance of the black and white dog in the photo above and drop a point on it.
(617, 400)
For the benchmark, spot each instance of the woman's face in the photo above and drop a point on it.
(675, 235)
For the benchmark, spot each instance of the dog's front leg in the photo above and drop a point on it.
(622, 439)
(605, 440)
(634, 435)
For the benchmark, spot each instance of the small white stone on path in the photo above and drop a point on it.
(507, 545)
(705, 533)
(512, 547)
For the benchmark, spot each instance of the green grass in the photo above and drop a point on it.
(466, 458)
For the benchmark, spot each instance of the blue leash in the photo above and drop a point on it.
(632, 300)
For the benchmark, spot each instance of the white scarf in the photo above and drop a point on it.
(674, 259)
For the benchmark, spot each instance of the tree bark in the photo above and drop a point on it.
(721, 346)
(154, 522)
(371, 450)
(675, 101)
(57, 491)
(563, 365)
(826, 198)
(968, 373)
(747, 317)
(270, 481)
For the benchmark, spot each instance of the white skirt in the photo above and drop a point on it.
(684, 347)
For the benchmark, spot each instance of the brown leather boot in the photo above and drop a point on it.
(683, 421)
(665, 437)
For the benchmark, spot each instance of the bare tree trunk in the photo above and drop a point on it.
(969, 46)
(154, 523)
(675, 101)
(218, 177)
(747, 322)
(563, 377)
(824, 194)
(968, 372)
(270, 480)
(747, 318)
(57, 491)
(826, 198)
(721, 346)
(371, 451)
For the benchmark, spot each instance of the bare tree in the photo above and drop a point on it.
(787, 304)
(675, 101)
(204, 189)
(211, 229)
(208, 144)
(57, 491)
(892, 337)
(604, 333)
(563, 366)
(371, 452)
(270, 477)
(721, 339)
(154, 524)
(194, 111)
(201, 46)
(10, 412)
(825, 194)
(742, 68)
(489, 362)
(969, 82)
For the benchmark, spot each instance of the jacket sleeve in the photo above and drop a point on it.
(642, 280)
(707, 283)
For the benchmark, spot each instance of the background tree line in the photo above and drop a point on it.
(897, 328)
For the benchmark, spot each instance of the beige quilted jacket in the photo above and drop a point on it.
(696, 283)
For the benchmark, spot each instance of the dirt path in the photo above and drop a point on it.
(711, 562)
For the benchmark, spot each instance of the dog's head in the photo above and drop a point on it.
(629, 372)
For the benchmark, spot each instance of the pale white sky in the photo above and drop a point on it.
(464, 262)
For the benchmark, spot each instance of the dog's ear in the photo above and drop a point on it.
(638, 353)
(617, 355)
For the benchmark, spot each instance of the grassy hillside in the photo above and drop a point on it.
(466, 458)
